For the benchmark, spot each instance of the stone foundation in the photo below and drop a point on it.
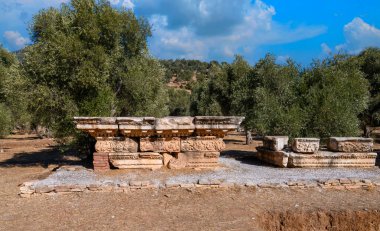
(147, 142)
(344, 152)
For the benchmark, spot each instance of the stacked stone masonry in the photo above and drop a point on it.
(305, 152)
(148, 142)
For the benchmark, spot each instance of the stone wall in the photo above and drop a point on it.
(148, 142)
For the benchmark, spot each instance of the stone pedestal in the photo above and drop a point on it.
(277, 158)
(147, 142)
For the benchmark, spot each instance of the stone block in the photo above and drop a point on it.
(175, 123)
(277, 158)
(171, 144)
(150, 160)
(305, 145)
(117, 144)
(332, 159)
(275, 143)
(175, 163)
(350, 144)
(166, 158)
(202, 143)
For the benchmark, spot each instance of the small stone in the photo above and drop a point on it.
(229, 185)
(135, 183)
(172, 185)
(344, 181)
(366, 181)
(44, 189)
(203, 182)
(187, 185)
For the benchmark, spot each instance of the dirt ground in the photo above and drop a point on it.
(24, 158)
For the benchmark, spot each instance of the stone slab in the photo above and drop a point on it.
(332, 159)
(202, 143)
(149, 160)
(162, 145)
(175, 123)
(305, 145)
(201, 159)
(350, 144)
(277, 158)
(116, 144)
(275, 143)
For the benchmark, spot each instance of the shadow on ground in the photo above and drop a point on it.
(246, 157)
(44, 158)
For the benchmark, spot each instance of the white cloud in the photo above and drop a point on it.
(281, 59)
(256, 28)
(359, 35)
(326, 49)
(15, 39)
(128, 4)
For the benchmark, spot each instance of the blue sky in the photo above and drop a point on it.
(219, 29)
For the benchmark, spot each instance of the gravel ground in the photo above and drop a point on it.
(234, 171)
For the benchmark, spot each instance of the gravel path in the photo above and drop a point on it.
(234, 171)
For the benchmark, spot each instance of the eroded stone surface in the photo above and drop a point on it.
(305, 145)
(119, 144)
(332, 159)
(171, 144)
(275, 143)
(149, 160)
(277, 158)
(350, 144)
(206, 143)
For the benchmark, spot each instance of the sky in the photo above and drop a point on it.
(219, 29)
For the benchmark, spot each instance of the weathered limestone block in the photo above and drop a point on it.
(149, 160)
(275, 143)
(160, 144)
(166, 158)
(136, 126)
(175, 123)
(195, 160)
(332, 159)
(305, 145)
(206, 143)
(216, 125)
(117, 144)
(350, 144)
(202, 159)
(277, 158)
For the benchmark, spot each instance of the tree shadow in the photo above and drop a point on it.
(44, 158)
(246, 157)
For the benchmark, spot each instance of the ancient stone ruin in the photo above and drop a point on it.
(305, 152)
(148, 142)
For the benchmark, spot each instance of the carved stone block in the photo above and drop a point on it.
(277, 158)
(206, 143)
(350, 144)
(116, 145)
(202, 159)
(148, 160)
(160, 144)
(275, 143)
(332, 159)
(305, 145)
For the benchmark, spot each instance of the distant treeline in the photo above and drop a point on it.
(89, 59)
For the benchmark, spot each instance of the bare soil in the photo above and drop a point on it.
(24, 158)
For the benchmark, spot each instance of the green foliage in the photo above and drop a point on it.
(5, 120)
(336, 93)
(179, 102)
(276, 109)
(89, 59)
(14, 93)
(370, 66)
(185, 70)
